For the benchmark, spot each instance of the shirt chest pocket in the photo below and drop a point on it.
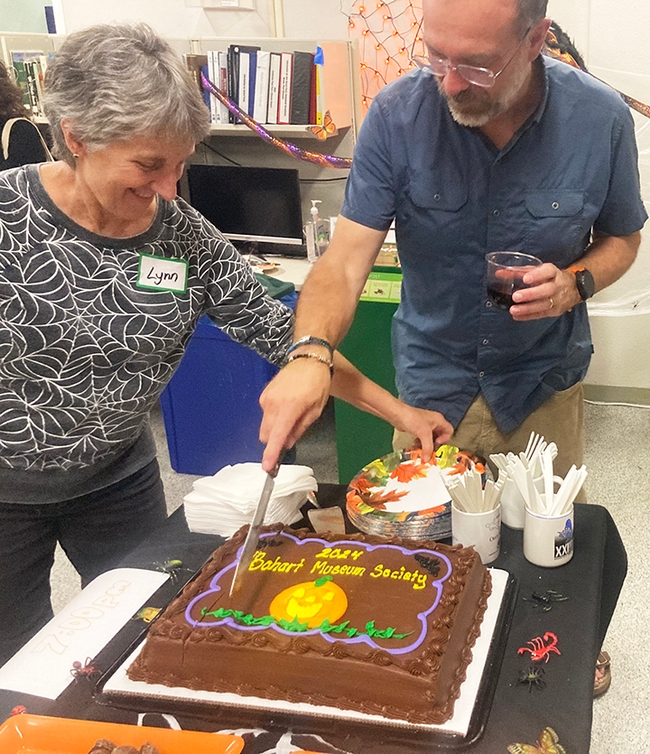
(555, 222)
(448, 198)
(431, 215)
(430, 219)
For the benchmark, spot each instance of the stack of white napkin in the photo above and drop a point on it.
(223, 503)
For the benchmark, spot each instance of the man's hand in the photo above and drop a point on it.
(430, 427)
(291, 402)
(552, 292)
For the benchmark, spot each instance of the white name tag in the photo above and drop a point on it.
(156, 273)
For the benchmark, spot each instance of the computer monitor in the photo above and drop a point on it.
(258, 209)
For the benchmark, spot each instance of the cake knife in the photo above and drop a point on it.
(250, 543)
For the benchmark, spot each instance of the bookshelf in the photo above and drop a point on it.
(341, 84)
(340, 69)
(27, 55)
(282, 132)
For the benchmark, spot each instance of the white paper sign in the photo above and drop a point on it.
(79, 631)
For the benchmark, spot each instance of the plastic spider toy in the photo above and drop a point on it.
(85, 670)
(545, 600)
(172, 567)
(533, 676)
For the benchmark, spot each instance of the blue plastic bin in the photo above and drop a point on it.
(211, 406)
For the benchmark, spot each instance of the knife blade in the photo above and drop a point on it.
(250, 543)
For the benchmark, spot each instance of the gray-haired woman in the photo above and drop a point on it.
(105, 273)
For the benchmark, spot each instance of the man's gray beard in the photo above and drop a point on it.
(481, 108)
(474, 117)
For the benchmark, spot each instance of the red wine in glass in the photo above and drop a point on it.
(500, 298)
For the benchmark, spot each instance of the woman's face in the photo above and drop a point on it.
(121, 180)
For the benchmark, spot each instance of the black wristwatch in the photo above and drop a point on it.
(584, 282)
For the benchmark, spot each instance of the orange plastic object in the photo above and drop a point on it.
(35, 734)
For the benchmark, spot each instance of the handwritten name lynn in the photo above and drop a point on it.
(158, 277)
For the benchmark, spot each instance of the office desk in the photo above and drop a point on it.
(292, 270)
(591, 582)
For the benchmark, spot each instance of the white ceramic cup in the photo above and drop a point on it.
(513, 505)
(548, 540)
(480, 530)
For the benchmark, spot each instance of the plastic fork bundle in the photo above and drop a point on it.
(531, 473)
(470, 494)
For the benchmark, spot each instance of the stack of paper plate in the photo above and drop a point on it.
(400, 495)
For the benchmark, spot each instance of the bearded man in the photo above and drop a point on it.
(487, 146)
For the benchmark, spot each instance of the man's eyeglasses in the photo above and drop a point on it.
(441, 67)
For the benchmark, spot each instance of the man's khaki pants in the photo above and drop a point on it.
(559, 420)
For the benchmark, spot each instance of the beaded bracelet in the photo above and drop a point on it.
(309, 340)
(328, 363)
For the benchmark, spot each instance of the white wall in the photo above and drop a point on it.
(613, 38)
(302, 19)
(23, 15)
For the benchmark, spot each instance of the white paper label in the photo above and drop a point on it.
(84, 627)
(156, 273)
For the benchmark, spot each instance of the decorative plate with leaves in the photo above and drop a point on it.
(402, 495)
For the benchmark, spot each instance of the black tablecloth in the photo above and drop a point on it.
(591, 582)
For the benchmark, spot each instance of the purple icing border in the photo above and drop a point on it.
(436, 585)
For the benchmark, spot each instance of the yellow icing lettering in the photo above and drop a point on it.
(297, 566)
(256, 562)
(336, 553)
(260, 563)
(421, 581)
(341, 570)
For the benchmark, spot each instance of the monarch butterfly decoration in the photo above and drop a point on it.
(327, 129)
(548, 744)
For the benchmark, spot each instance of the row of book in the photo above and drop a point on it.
(283, 88)
(29, 69)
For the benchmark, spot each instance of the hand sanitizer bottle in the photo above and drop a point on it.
(316, 233)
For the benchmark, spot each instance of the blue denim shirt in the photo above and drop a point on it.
(571, 168)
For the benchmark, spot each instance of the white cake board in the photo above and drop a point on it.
(120, 685)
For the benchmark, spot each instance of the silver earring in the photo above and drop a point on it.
(76, 156)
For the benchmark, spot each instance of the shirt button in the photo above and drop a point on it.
(436, 197)
(481, 374)
(488, 304)
(496, 212)
(555, 205)
(485, 342)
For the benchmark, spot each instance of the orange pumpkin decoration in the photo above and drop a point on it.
(310, 602)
